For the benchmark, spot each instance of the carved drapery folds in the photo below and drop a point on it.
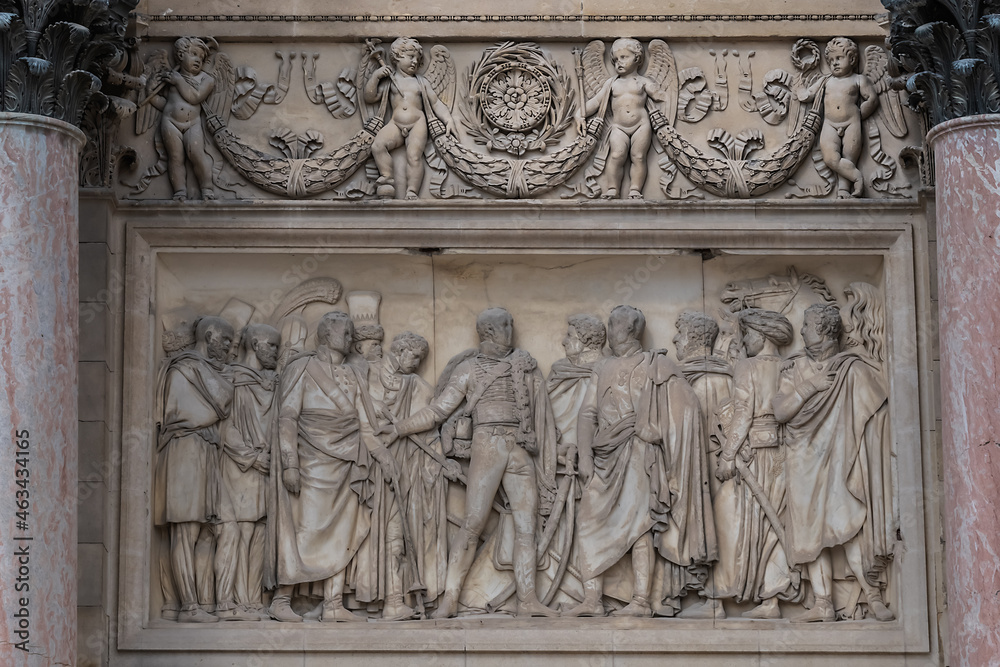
(523, 120)
(742, 472)
(951, 50)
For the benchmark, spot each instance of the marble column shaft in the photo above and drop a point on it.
(39, 322)
(967, 166)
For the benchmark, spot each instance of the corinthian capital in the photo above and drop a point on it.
(951, 51)
(55, 54)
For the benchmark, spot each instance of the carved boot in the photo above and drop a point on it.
(878, 608)
(766, 609)
(637, 608)
(236, 614)
(531, 606)
(589, 607)
(281, 609)
(395, 610)
(196, 615)
(447, 607)
(334, 611)
(708, 609)
(822, 611)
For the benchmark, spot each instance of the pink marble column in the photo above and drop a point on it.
(39, 302)
(967, 166)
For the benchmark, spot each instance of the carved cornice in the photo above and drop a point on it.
(951, 50)
(504, 18)
(55, 54)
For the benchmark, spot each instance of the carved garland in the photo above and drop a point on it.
(294, 177)
(515, 178)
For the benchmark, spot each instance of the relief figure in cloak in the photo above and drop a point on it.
(834, 406)
(195, 397)
(753, 450)
(244, 468)
(382, 571)
(644, 476)
(513, 446)
(321, 479)
(568, 382)
(711, 377)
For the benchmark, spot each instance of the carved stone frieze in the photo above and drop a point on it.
(725, 477)
(814, 127)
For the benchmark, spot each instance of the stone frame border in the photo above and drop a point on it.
(799, 228)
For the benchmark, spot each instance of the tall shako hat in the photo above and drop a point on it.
(364, 306)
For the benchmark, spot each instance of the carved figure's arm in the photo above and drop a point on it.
(743, 402)
(793, 392)
(655, 92)
(809, 94)
(441, 407)
(594, 103)
(586, 427)
(869, 96)
(194, 93)
(288, 426)
(371, 86)
(439, 108)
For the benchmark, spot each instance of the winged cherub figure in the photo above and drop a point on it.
(412, 97)
(628, 94)
(849, 98)
(173, 104)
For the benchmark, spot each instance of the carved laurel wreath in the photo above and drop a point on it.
(516, 99)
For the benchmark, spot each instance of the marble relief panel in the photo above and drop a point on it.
(342, 437)
(617, 118)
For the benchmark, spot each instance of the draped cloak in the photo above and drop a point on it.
(669, 415)
(314, 534)
(245, 436)
(193, 399)
(649, 468)
(756, 569)
(424, 505)
(839, 479)
(711, 377)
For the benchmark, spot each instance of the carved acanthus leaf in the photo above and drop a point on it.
(950, 49)
(13, 45)
(76, 92)
(60, 45)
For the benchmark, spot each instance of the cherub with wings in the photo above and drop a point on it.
(173, 102)
(628, 94)
(412, 97)
(849, 98)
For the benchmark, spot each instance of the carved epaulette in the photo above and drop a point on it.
(521, 361)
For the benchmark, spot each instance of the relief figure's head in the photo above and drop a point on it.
(762, 327)
(696, 334)
(408, 350)
(625, 327)
(213, 337)
(584, 334)
(335, 331)
(496, 326)
(261, 342)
